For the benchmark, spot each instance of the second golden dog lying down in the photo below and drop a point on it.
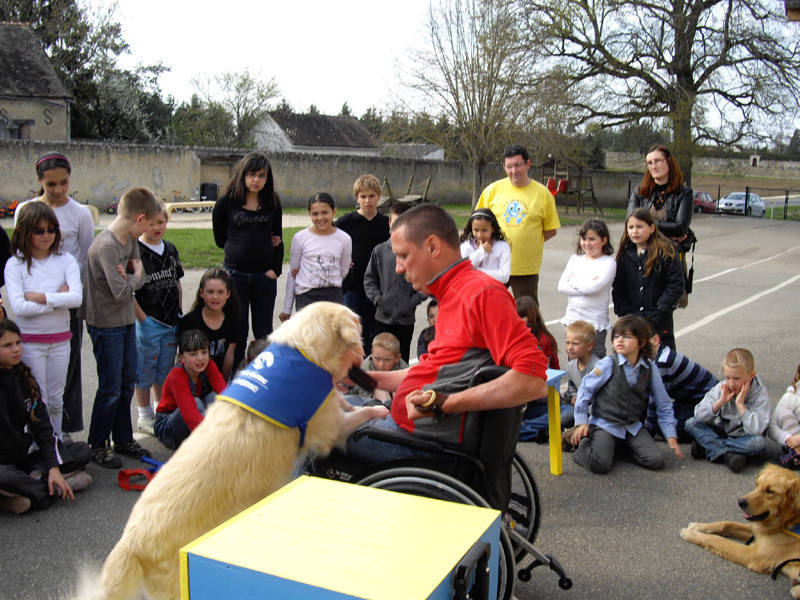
(233, 459)
(772, 509)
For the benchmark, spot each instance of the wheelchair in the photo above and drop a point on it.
(485, 470)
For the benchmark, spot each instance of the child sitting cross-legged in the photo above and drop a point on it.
(784, 425)
(617, 392)
(188, 390)
(729, 423)
(385, 356)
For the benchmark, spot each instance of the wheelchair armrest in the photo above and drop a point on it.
(402, 438)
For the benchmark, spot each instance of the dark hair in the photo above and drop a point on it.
(514, 150)
(432, 304)
(237, 190)
(398, 208)
(425, 220)
(232, 305)
(483, 214)
(639, 328)
(30, 216)
(254, 348)
(657, 244)
(322, 197)
(192, 340)
(600, 228)
(32, 387)
(528, 307)
(675, 177)
(51, 160)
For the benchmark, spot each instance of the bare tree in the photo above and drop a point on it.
(470, 73)
(715, 71)
(245, 97)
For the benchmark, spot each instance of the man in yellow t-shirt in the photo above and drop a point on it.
(526, 211)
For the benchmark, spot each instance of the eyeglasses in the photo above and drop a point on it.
(625, 336)
(655, 161)
(515, 166)
(50, 230)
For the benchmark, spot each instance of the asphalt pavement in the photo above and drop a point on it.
(617, 535)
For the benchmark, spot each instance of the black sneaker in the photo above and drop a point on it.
(105, 457)
(735, 462)
(698, 451)
(132, 448)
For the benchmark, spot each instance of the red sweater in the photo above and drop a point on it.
(178, 394)
(477, 325)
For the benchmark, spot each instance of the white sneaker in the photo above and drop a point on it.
(146, 425)
(78, 480)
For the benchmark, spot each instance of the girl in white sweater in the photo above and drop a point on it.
(43, 283)
(484, 244)
(587, 280)
(784, 425)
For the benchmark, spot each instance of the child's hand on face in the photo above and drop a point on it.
(726, 394)
(487, 246)
(742, 395)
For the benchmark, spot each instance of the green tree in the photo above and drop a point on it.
(712, 71)
(197, 123)
(313, 110)
(373, 121)
(346, 112)
(245, 97)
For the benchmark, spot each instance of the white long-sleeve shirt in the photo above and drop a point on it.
(323, 261)
(496, 264)
(46, 276)
(587, 284)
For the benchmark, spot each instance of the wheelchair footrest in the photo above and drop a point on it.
(471, 576)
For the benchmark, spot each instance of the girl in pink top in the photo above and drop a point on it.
(43, 283)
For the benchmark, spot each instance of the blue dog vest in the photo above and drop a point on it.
(283, 386)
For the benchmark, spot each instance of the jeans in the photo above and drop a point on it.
(256, 294)
(717, 444)
(156, 347)
(171, 429)
(536, 418)
(364, 308)
(73, 389)
(375, 451)
(115, 353)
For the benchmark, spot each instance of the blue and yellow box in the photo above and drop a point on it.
(324, 539)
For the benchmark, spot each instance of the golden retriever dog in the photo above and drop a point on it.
(772, 509)
(233, 459)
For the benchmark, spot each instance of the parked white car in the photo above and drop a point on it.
(735, 204)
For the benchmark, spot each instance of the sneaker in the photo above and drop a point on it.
(14, 503)
(132, 448)
(790, 460)
(66, 438)
(698, 451)
(78, 480)
(735, 462)
(146, 425)
(105, 457)
(542, 436)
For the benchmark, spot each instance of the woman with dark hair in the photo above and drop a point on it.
(248, 223)
(663, 192)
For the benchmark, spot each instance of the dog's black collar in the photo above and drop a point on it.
(776, 571)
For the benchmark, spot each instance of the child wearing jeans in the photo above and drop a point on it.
(784, 425)
(189, 390)
(729, 423)
(114, 273)
(617, 392)
(158, 307)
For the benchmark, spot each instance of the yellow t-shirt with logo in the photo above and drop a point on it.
(524, 215)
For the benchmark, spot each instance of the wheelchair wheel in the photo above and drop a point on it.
(432, 484)
(524, 514)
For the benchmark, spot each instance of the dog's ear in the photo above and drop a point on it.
(791, 496)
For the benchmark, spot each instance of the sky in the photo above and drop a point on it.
(320, 52)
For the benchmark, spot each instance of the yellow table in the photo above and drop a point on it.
(554, 377)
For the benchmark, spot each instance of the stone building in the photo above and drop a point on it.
(315, 134)
(34, 103)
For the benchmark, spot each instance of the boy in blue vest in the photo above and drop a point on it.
(618, 391)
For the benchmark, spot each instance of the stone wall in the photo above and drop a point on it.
(742, 167)
(103, 171)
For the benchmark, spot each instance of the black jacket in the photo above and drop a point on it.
(653, 297)
(675, 219)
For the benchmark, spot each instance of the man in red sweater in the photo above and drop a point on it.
(477, 325)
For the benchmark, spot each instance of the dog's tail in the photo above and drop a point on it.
(119, 579)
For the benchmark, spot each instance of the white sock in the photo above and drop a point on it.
(146, 411)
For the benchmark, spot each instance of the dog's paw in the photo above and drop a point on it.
(795, 589)
(373, 412)
(689, 534)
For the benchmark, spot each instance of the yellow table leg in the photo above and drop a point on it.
(554, 421)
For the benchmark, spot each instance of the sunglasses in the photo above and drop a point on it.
(50, 230)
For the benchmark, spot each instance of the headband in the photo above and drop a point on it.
(49, 156)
